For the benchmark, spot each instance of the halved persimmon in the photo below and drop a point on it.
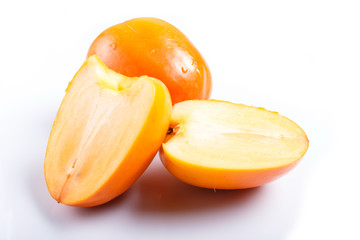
(222, 145)
(106, 132)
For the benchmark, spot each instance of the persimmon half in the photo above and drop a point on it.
(222, 145)
(106, 132)
(153, 47)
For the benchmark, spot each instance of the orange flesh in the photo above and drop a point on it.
(107, 131)
(228, 146)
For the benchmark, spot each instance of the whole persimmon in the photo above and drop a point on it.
(153, 47)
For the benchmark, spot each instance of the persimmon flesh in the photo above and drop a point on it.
(222, 145)
(106, 132)
(153, 47)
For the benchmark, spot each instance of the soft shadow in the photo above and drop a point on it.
(110, 206)
(266, 212)
(160, 192)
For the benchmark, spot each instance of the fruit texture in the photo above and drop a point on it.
(106, 132)
(222, 145)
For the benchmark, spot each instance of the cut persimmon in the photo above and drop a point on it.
(222, 145)
(106, 132)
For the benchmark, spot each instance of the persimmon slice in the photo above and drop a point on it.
(106, 132)
(216, 144)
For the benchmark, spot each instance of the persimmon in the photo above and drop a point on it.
(153, 47)
(117, 113)
(222, 145)
(106, 132)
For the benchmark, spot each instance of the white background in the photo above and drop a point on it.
(300, 58)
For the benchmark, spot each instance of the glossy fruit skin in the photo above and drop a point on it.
(226, 179)
(153, 47)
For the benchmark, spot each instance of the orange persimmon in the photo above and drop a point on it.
(222, 145)
(153, 47)
(106, 132)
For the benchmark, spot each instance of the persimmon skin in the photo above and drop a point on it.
(153, 47)
(214, 178)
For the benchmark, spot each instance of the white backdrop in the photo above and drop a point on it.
(300, 58)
